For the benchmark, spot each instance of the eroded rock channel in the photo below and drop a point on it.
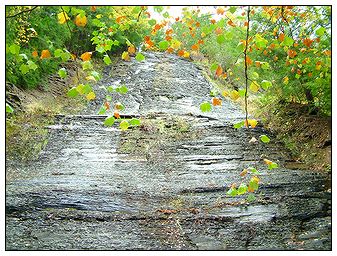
(163, 185)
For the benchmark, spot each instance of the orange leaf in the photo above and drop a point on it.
(292, 53)
(257, 64)
(220, 11)
(249, 61)
(231, 23)
(147, 38)
(81, 21)
(327, 52)
(181, 53)
(170, 50)
(93, 8)
(45, 54)
(35, 54)
(218, 31)
(168, 38)
(131, 49)
(200, 41)
(197, 24)
(218, 71)
(167, 211)
(213, 21)
(216, 102)
(195, 47)
(224, 75)
(310, 74)
(86, 56)
(281, 37)
(243, 173)
(307, 42)
(169, 31)
(120, 18)
(245, 24)
(107, 105)
(117, 115)
(177, 19)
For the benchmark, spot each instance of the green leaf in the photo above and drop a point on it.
(62, 73)
(109, 121)
(86, 65)
(123, 89)
(253, 184)
(24, 69)
(24, 56)
(31, 65)
(232, 9)
(110, 89)
(265, 65)
(96, 75)
(100, 48)
(253, 170)
(166, 15)
(213, 93)
(135, 122)
(242, 92)
(140, 57)
(163, 45)
(239, 124)
(288, 41)
(9, 108)
(158, 9)
(241, 47)
(242, 189)
(107, 60)
(320, 31)
(254, 76)
(272, 166)
(232, 192)
(260, 41)
(57, 53)
(251, 198)
(152, 22)
(264, 139)
(137, 9)
(220, 39)
(65, 56)
(214, 67)
(205, 106)
(14, 49)
(102, 111)
(265, 84)
(72, 93)
(124, 125)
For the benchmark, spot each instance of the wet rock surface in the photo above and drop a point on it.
(163, 185)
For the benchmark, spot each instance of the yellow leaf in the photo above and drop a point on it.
(62, 17)
(98, 16)
(90, 78)
(125, 56)
(91, 96)
(268, 162)
(45, 54)
(81, 21)
(244, 172)
(252, 122)
(225, 93)
(234, 95)
(254, 86)
(175, 44)
(286, 80)
(86, 56)
(186, 54)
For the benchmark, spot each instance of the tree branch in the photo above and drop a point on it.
(19, 13)
(246, 66)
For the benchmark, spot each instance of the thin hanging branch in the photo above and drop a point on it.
(246, 66)
(19, 13)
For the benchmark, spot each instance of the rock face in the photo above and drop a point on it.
(162, 186)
